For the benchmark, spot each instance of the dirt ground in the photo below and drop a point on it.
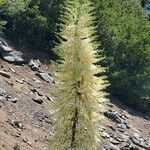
(26, 125)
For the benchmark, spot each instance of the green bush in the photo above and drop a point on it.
(2, 22)
(32, 22)
(124, 32)
(2, 26)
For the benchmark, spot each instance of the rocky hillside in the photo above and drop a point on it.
(25, 83)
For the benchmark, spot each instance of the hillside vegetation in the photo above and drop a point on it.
(97, 47)
(123, 32)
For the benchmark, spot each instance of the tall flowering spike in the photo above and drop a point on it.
(79, 100)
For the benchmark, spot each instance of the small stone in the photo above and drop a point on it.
(36, 80)
(14, 100)
(49, 98)
(3, 42)
(119, 139)
(2, 92)
(11, 83)
(47, 120)
(17, 124)
(17, 134)
(122, 126)
(13, 70)
(2, 99)
(112, 127)
(34, 64)
(17, 147)
(38, 99)
(46, 77)
(105, 135)
(20, 81)
(113, 141)
(125, 146)
(114, 116)
(4, 74)
(112, 147)
(27, 141)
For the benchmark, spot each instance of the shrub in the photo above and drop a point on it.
(80, 97)
(124, 32)
(32, 22)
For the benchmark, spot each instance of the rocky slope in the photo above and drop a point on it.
(25, 123)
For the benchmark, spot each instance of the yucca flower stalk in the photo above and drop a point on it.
(80, 97)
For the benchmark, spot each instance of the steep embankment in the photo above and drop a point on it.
(25, 123)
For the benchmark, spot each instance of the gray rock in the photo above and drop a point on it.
(21, 81)
(49, 98)
(4, 48)
(114, 141)
(122, 126)
(34, 64)
(105, 135)
(124, 137)
(110, 105)
(13, 70)
(139, 140)
(137, 137)
(38, 99)
(114, 116)
(8, 54)
(112, 147)
(17, 147)
(46, 77)
(38, 92)
(16, 124)
(2, 92)
(14, 100)
(4, 74)
(2, 99)
(13, 57)
(3, 42)
(47, 119)
(3, 95)
(128, 146)
(43, 118)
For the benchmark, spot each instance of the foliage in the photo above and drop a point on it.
(2, 26)
(2, 22)
(80, 97)
(13, 7)
(124, 32)
(32, 22)
(2, 2)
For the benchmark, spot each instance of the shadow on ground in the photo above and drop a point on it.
(45, 56)
(129, 109)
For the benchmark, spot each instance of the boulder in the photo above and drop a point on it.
(3, 42)
(114, 116)
(13, 57)
(10, 55)
(46, 77)
(34, 64)
(4, 48)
